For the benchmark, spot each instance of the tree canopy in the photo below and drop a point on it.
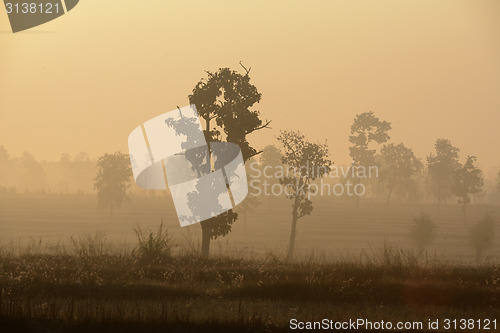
(468, 181)
(113, 178)
(441, 166)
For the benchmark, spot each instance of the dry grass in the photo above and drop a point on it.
(350, 264)
(108, 292)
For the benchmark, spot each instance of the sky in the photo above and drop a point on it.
(84, 81)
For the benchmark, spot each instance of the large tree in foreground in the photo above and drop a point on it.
(305, 162)
(366, 130)
(113, 179)
(224, 101)
(442, 166)
(468, 181)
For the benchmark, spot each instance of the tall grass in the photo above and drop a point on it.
(185, 292)
(153, 247)
(423, 231)
(91, 245)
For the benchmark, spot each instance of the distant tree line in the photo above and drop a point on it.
(26, 174)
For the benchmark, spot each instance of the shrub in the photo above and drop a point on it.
(154, 246)
(481, 235)
(423, 231)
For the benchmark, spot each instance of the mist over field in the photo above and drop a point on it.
(69, 265)
(48, 202)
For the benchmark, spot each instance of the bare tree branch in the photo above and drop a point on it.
(266, 125)
(255, 154)
(246, 70)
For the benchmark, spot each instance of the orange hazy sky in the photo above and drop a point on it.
(84, 81)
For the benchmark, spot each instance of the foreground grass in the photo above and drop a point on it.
(111, 293)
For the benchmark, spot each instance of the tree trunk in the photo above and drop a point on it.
(205, 229)
(245, 222)
(293, 233)
(389, 198)
(357, 197)
(464, 209)
(291, 246)
(205, 239)
(439, 201)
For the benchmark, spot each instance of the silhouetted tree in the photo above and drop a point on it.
(366, 129)
(400, 165)
(468, 181)
(271, 157)
(498, 181)
(81, 172)
(377, 183)
(4, 160)
(305, 162)
(4, 155)
(32, 176)
(481, 235)
(225, 98)
(113, 179)
(270, 164)
(442, 166)
(409, 189)
(423, 231)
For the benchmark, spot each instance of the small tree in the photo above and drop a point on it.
(113, 179)
(442, 165)
(365, 130)
(468, 181)
(4, 155)
(481, 235)
(400, 166)
(423, 231)
(305, 162)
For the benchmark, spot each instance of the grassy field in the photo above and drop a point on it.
(67, 267)
(109, 293)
